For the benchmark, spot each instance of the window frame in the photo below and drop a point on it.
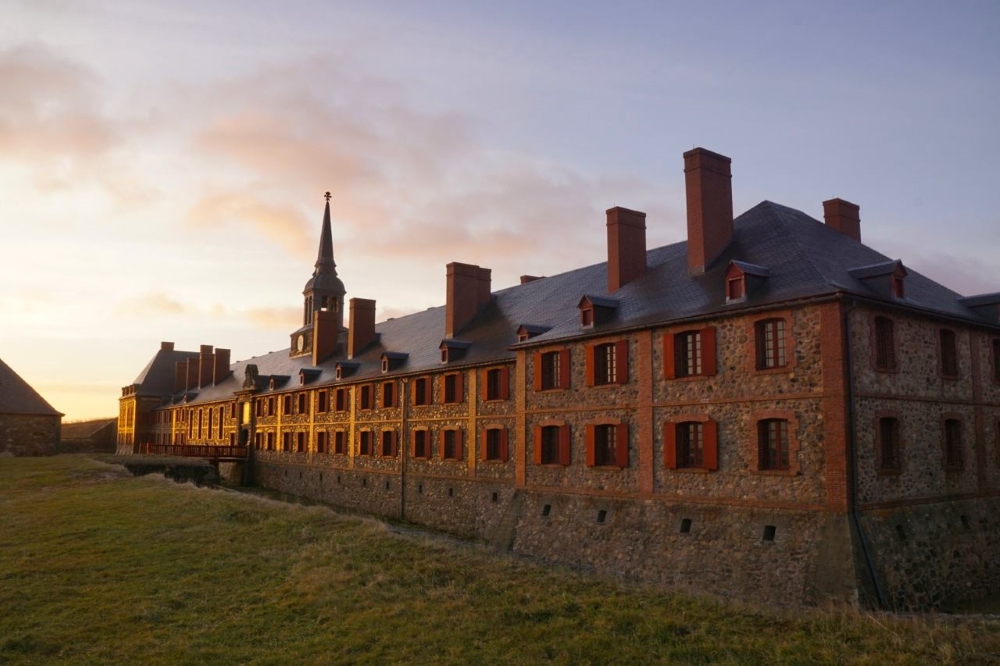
(342, 400)
(339, 444)
(562, 444)
(365, 443)
(948, 361)
(390, 396)
(608, 444)
(423, 391)
(453, 388)
(499, 388)
(780, 461)
(388, 443)
(552, 369)
(501, 453)
(771, 355)
(607, 363)
(455, 434)
(891, 464)
(366, 397)
(884, 344)
(425, 435)
(952, 442)
(672, 458)
(675, 347)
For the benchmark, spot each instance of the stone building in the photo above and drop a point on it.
(29, 426)
(770, 410)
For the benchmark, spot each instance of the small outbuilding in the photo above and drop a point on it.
(29, 426)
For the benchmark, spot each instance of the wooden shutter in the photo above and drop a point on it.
(708, 351)
(670, 445)
(503, 443)
(761, 444)
(484, 445)
(590, 364)
(591, 457)
(564, 445)
(621, 361)
(669, 357)
(564, 369)
(538, 371)
(621, 454)
(710, 444)
(536, 455)
(504, 383)
(441, 441)
(394, 451)
(460, 387)
(760, 344)
(458, 445)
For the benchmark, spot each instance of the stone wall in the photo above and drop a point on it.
(28, 434)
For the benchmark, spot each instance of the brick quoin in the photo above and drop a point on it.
(834, 406)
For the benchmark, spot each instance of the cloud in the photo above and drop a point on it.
(965, 275)
(281, 223)
(282, 319)
(153, 305)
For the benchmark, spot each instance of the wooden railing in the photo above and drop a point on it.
(194, 451)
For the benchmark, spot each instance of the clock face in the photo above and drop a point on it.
(301, 342)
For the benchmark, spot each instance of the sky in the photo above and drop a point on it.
(163, 164)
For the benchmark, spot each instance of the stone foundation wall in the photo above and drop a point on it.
(29, 435)
(931, 556)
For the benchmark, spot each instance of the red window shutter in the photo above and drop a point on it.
(669, 357)
(536, 455)
(590, 365)
(622, 445)
(503, 441)
(484, 381)
(564, 445)
(621, 361)
(670, 445)
(483, 444)
(591, 457)
(441, 442)
(504, 383)
(460, 387)
(710, 444)
(538, 371)
(458, 444)
(395, 444)
(443, 392)
(564, 369)
(708, 351)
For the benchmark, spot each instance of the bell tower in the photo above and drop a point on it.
(323, 300)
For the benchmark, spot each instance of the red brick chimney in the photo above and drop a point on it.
(361, 330)
(205, 365)
(180, 376)
(843, 216)
(327, 326)
(468, 289)
(166, 346)
(626, 246)
(709, 186)
(192, 373)
(220, 367)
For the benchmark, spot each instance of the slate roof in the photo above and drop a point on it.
(86, 429)
(157, 378)
(801, 257)
(17, 396)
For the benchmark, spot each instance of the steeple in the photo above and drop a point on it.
(324, 296)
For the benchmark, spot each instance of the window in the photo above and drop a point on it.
(302, 403)
(996, 359)
(496, 383)
(451, 444)
(735, 288)
(340, 442)
(300, 444)
(385, 365)
(587, 317)
(898, 285)
(953, 459)
(270, 441)
(421, 444)
(885, 344)
(453, 388)
(365, 443)
(258, 408)
(690, 444)
(770, 342)
(552, 370)
(340, 401)
(495, 444)
(323, 401)
(286, 441)
(322, 441)
(365, 399)
(949, 353)
(607, 363)
(388, 394)
(286, 404)
(689, 353)
(773, 444)
(422, 391)
(552, 445)
(389, 443)
(889, 454)
(607, 445)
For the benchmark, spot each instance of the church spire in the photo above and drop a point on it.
(324, 260)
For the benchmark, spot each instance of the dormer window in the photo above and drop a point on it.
(392, 360)
(595, 310)
(886, 279)
(735, 289)
(898, 286)
(587, 317)
(742, 279)
(345, 369)
(527, 331)
(452, 350)
(385, 364)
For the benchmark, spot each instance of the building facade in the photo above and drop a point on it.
(769, 410)
(29, 426)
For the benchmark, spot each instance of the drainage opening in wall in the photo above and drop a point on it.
(420, 487)
(300, 475)
(495, 498)
(547, 509)
(321, 477)
(286, 473)
(451, 492)
(387, 485)
(965, 522)
(338, 478)
(364, 483)
(769, 531)
(686, 526)
(602, 515)
(900, 532)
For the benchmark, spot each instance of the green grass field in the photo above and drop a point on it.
(100, 567)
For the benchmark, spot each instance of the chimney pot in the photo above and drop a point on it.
(166, 346)
(468, 288)
(626, 246)
(843, 216)
(708, 183)
(220, 367)
(525, 279)
(361, 329)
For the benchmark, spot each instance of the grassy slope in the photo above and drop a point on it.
(98, 567)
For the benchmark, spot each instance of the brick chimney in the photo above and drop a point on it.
(205, 365)
(468, 289)
(361, 330)
(626, 246)
(180, 376)
(220, 366)
(843, 216)
(708, 181)
(192, 373)
(166, 346)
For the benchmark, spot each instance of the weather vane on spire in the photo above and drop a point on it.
(327, 195)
